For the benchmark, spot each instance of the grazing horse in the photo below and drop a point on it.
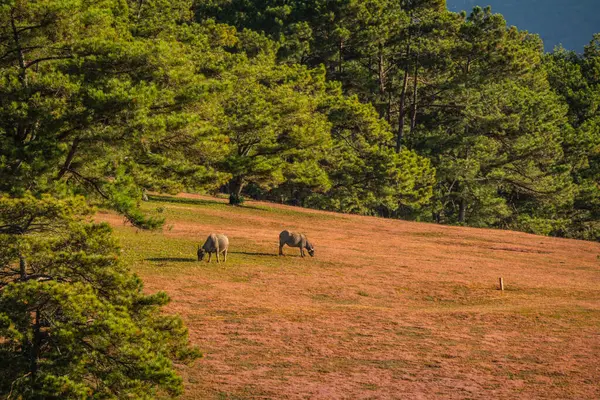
(295, 240)
(215, 243)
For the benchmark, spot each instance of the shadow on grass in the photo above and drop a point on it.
(201, 202)
(296, 210)
(183, 200)
(247, 253)
(171, 259)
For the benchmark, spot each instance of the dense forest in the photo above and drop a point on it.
(399, 109)
(511, 132)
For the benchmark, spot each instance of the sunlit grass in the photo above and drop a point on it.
(383, 303)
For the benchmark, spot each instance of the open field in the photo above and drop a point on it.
(386, 309)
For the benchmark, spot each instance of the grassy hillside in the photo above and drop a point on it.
(386, 309)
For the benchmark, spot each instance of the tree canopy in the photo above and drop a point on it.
(509, 130)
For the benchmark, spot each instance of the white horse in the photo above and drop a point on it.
(215, 243)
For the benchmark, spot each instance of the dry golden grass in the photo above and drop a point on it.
(386, 309)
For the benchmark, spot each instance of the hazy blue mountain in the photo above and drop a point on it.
(568, 22)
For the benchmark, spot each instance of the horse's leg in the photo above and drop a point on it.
(225, 254)
(209, 257)
(280, 249)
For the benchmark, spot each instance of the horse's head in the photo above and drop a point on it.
(201, 253)
(310, 248)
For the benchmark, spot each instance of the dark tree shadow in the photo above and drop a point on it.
(258, 208)
(171, 259)
(183, 200)
(200, 202)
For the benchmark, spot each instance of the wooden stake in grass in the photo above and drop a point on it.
(501, 283)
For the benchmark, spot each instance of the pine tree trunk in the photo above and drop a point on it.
(235, 190)
(21, 130)
(389, 108)
(70, 158)
(413, 117)
(340, 61)
(381, 72)
(400, 136)
(35, 349)
(22, 267)
(462, 211)
(19, 49)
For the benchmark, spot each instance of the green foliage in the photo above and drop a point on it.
(472, 95)
(143, 103)
(280, 140)
(575, 78)
(271, 120)
(86, 90)
(75, 322)
(83, 87)
(366, 175)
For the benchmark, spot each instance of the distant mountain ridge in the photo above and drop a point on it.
(568, 22)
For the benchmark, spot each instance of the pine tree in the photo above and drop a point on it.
(78, 92)
(75, 322)
(272, 124)
(86, 89)
(576, 79)
(496, 157)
